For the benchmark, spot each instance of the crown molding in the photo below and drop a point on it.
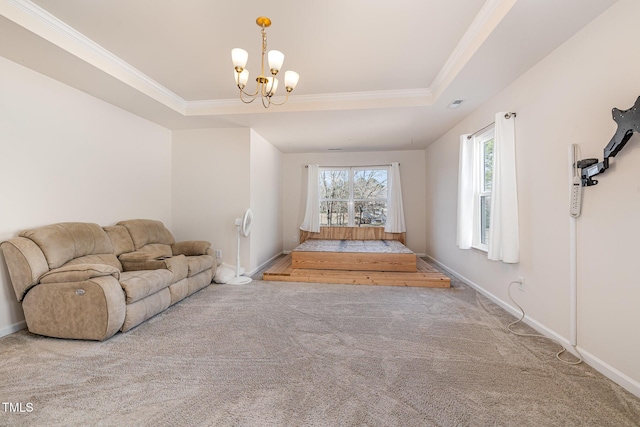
(37, 20)
(40, 22)
(318, 102)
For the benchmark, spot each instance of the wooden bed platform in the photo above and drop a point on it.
(360, 255)
(355, 256)
(425, 276)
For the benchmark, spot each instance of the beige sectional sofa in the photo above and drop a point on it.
(83, 281)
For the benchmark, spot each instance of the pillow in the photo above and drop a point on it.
(79, 273)
(226, 272)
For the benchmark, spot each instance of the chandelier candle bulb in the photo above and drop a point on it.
(265, 86)
(242, 78)
(276, 59)
(239, 58)
(290, 80)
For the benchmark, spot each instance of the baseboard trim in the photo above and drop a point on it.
(610, 372)
(605, 369)
(8, 330)
(263, 265)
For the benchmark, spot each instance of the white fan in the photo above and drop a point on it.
(243, 226)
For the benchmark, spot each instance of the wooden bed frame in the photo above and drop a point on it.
(354, 255)
(355, 268)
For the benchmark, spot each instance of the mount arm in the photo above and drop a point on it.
(628, 123)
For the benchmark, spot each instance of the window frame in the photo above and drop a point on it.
(479, 191)
(351, 201)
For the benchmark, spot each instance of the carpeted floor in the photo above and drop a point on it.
(293, 354)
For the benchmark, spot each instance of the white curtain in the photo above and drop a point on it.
(466, 176)
(395, 212)
(504, 241)
(311, 220)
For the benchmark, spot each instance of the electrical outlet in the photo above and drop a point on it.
(294, 239)
(218, 254)
(521, 285)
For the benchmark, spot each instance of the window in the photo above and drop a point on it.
(483, 150)
(488, 193)
(353, 196)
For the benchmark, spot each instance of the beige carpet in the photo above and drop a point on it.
(287, 354)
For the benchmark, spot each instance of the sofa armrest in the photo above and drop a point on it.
(79, 273)
(92, 309)
(190, 248)
(26, 263)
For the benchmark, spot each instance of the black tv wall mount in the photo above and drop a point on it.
(628, 123)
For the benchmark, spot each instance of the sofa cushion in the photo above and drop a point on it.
(199, 264)
(179, 290)
(179, 266)
(108, 259)
(146, 308)
(152, 251)
(199, 281)
(146, 231)
(191, 247)
(79, 273)
(142, 283)
(120, 239)
(63, 242)
(154, 264)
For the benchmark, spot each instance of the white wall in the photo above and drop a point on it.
(219, 173)
(566, 98)
(412, 164)
(266, 201)
(66, 156)
(211, 187)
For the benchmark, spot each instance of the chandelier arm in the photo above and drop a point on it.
(266, 101)
(279, 103)
(245, 101)
(253, 95)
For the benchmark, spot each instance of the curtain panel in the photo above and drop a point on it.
(311, 220)
(504, 240)
(466, 185)
(395, 211)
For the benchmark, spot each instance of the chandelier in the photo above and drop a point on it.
(266, 86)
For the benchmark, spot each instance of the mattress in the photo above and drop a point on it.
(351, 246)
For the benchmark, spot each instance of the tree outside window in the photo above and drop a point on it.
(353, 196)
(484, 156)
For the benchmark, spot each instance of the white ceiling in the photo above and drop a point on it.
(374, 74)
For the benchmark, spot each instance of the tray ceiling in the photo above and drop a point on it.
(374, 75)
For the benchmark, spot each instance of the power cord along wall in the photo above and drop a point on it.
(521, 334)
